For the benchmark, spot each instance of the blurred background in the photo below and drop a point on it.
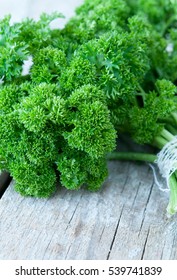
(33, 8)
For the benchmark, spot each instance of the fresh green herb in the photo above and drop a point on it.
(111, 69)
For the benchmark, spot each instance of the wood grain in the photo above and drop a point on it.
(126, 219)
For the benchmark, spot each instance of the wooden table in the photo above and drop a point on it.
(126, 219)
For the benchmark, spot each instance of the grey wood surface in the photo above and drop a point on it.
(126, 219)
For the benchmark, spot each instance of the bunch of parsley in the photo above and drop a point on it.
(111, 69)
(134, 52)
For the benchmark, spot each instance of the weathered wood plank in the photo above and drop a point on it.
(126, 219)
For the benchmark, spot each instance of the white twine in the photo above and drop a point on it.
(167, 162)
(158, 179)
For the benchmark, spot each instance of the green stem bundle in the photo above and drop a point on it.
(132, 156)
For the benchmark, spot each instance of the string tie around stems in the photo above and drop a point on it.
(166, 162)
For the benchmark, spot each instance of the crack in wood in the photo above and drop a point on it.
(173, 246)
(5, 180)
(72, 216)
(145, 243)
(48, 245)
(101, 233)
(73, 213)
(126, 179)
(161, 256)
(68, 251)
(145, 208)
(136, 195)
(115, 233)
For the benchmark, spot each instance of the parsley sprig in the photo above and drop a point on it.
(111, 69)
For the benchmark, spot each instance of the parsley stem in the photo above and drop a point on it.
(169, 22)
(142, 93)
(167, 135)
(174, 115)
(131, 156)
(172, 129)
(159, 142)
(172, 206)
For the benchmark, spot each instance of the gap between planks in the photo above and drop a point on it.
(126, 219)
(5, 180)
